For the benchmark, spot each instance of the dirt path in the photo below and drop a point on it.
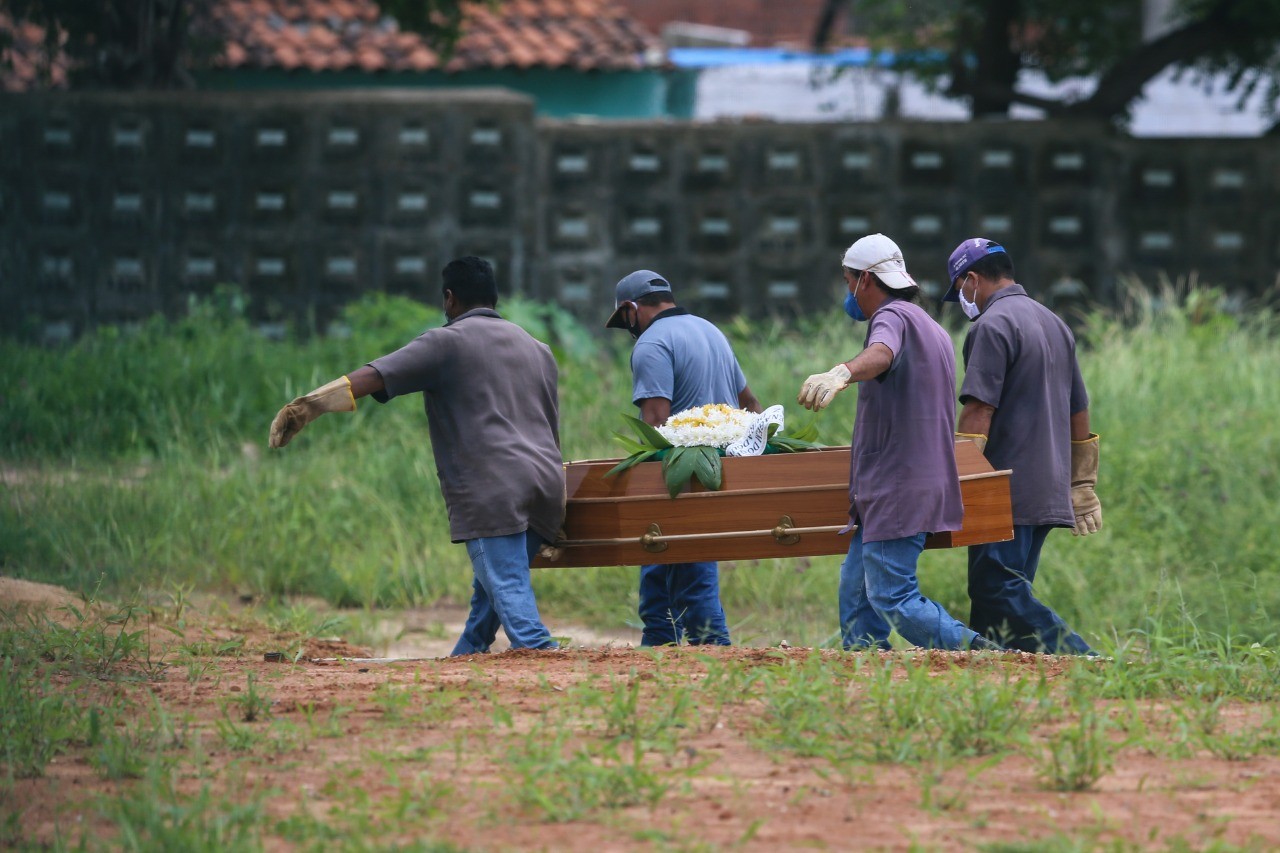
(432, 633)
(613, 748)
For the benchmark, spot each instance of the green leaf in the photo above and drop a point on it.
(631, 461)
(647, 433)
(707, 467)
(678, 467)
(683, 463)
(630, 443)
(807, 433)
(791, 445)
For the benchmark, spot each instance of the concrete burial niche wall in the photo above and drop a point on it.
(754, 217)
(116, 206)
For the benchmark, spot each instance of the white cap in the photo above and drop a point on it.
(878, 254)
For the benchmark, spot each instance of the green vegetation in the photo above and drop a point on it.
(135, 458)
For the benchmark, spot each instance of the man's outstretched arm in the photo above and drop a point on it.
(340, 395)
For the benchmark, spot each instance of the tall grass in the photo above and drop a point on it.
(138, 457)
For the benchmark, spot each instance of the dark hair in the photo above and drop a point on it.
(994, 266)
(908, 294)
(472, 282)
(657, 297)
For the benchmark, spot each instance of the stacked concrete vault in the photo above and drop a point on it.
(117, 206)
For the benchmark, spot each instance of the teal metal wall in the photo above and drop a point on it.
(556, 93)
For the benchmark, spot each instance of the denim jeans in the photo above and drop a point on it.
(879, 591)
(502, 594)
(682, 600)
(1004, 607)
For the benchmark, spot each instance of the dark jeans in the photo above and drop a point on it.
(682, 601)
(1004, 608)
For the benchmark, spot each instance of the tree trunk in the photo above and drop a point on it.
(143, 45)
(984, 66)
(826, 20)
(1124, 82)
(997, 62)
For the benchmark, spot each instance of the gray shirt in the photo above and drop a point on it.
(491, 399)
(1021, 358)
(902, 471)
(687, 360)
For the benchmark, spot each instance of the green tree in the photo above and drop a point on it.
(974, 49)
(115, 43)
(153, 44)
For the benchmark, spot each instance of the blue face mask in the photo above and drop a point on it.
(851, 306)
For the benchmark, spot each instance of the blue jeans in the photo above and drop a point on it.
(682, 600)
(879, 591)
(1004, 608)
(502, 594)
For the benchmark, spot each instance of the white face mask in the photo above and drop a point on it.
(970, 309)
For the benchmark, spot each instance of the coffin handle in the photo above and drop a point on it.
(655, 541)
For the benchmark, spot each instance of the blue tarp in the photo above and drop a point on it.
(715, 57)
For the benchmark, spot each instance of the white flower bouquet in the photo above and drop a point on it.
(691, 442)
(716, 425)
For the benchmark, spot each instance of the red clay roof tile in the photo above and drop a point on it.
(370, 59)
(287, 57)
(421, 59)
(29, 67)
(235, 55)
(330, 35)
(586, 34)
(316, 61)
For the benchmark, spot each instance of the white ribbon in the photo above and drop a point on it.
(756, 437)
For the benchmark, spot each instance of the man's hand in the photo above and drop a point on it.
(1084, 477)
(336, 396)
(550, 551)
(980, 440)
(821, 388)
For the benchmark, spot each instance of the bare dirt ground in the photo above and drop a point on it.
(337, 744)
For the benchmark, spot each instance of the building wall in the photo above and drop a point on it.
(117, 206)
(770, 22)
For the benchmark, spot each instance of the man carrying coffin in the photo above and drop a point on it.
(903, 482)
(490, 392)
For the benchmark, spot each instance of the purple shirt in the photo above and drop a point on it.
(491, 398)
(902, 478)
(1021, 358)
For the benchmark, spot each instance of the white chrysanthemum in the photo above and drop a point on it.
(709, 426)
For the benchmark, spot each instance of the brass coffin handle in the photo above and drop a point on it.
(655, 542)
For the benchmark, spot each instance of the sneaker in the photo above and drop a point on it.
(982, 644)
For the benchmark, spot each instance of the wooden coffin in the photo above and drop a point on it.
(784, 505)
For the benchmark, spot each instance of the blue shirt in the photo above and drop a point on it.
(902, 470)
(687, 360)
(1021, 358)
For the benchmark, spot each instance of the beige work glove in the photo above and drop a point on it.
(976, 438)
(821, 388)
(551, 551)
(289, 421)
(1084, 476)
